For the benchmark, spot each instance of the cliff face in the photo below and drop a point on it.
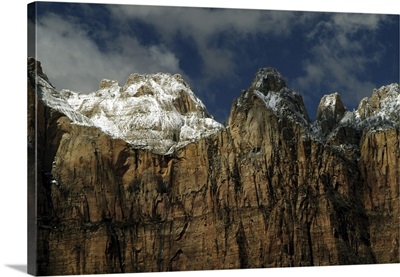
(264, 192)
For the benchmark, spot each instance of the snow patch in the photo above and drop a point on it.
(329, 101)
(147, 119)
(52, 98)
(383, 114)
(285, 103)
(271, 99)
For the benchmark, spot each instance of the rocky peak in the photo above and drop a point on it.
(268, 79)
(105, 84)
(35, 69)
(268, 104)
(166, 88)
(330, 111)
(269, 88)
(158, 112)
(50, 96)
(344, 130)
(154, 111)
(384, 103)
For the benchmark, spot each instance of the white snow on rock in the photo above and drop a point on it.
(379, 112)
(389, 105)
(329, 100)
(270, 86)
(285, 103)
(160, 112)
(145, 112)
(52, 98)
(272, 100)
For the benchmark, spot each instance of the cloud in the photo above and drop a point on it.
(203, 26)
(351, 23)
(73, 60)
(80, 48)
(73, 48)
(343, 48)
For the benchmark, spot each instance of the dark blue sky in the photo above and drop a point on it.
(219, 50)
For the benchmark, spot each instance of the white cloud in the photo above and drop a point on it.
(339, 56)
(203, 25)
(72, 60)
(351, 23)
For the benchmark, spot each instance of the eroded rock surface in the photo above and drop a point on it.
(262, 192)
(330, 111)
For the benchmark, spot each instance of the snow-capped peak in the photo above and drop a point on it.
(158, 112)
(268, 79)
(51, 97)
(330, 107)
(270, 86)
(379, 112)
(330, 100)
(384, 102)
(155, 111)
(330, 111)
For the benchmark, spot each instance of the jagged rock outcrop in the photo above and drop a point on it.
(155, 111)
(330, 111)
(264, 192)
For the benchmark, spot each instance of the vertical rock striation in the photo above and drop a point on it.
(263, 192)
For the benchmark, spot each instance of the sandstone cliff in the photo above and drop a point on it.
(272, 189)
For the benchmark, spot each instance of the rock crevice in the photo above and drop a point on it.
(260, 193)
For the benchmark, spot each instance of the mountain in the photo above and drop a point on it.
(157, 111)
(272, 189)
